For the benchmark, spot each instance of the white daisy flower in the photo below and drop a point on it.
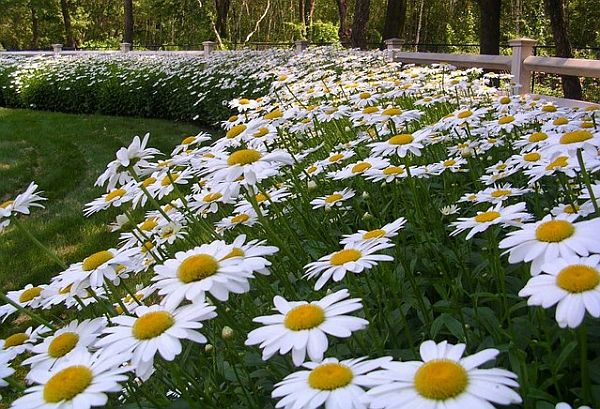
(29, 296)
(549, 238)
(331, 384)
(337, 157)
(22, 202)
(155, 329)
(512, 215)
(114, 198)
(358, 168)
(193, 273)
(401, 144)
(499, 193)
(80, 382)
(563, 405)
(571, 282)
(354, 257)
(5, 369)
(21, 342)
(251, 254)
(444, 379)
(336, 199)
(98, 267)
(248, 218)
(302, 327)
(65, 341)
(385, 233)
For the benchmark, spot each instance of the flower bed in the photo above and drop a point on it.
(363, 236)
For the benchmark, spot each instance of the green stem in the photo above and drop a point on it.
(25, 311)
(587, 181)
(38, 243)
(584, 365)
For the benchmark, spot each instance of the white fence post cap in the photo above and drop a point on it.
(125, 47)
(300, 45)
(209, 47)
(523, 41)
(394, 43)
(57, 48)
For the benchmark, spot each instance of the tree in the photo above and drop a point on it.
(35, 27)
(489, 26)
(69, 38)
(128, 14)
(555, 10)
(222, 8)
(358, 36)
(395, 17)
(343, 32)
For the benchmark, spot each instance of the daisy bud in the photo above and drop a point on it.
(466, 152)
(312, 185)
(227, 332)
(367, 216)
(209, 348)
(347, 129)
(365, 195)
(122, 220)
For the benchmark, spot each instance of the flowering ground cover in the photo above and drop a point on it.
(364, 235)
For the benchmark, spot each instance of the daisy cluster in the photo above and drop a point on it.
(352, 233)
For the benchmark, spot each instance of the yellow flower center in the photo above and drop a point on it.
(244, 101)
(532, 157)
(331, 111)
(152, 324)
(235, 131)
(66, 290)
(96, 260)
(345, 256)
(402, 139)
(328, 377)
(148, 224)
(169, 179)
(506, 119)
(147, 246)
(549, 108)
(148, 181)
(578, 278)
(501, 193)
(441, 379)
(243, 157)
(370, 110)
(63, 344)
(311, 169)
(333, 198)
(392, 111)
(554, 231)
(570, 210)
(115, 194)
(464, 114)
(487, 217)
(211, 197)
(6, 204)
(587, 125)
(236, 252)
(538, 137)
(232, 118)
(197, 267)
(361, 167)
(67, 384)
(560, 162)
(364, 95)
(505, 100)
(282, 77)
(261, 197)
(393, 170)
(374, 234)
(30, 294)
(304, 317)
(15, 340)
(560, 121)
(188, 140)
(261, 132)
(274, 114)
(575, 136)
(240, 218)
(336, 157)
(449, 162)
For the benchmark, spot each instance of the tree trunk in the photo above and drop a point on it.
(35, 29)
(359, 24)
(343, 32)
(309, 10)
(302, 14)
(222, 7)
(555, 11)
(489, 26)
(395, 16)
(64, 8)
(128, 11)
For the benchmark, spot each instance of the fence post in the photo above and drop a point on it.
(521, 49)
(125, 47)
(392, 45)
(209, 47)
(301, 45)
(57, 49)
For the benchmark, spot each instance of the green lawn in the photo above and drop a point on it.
(64, 154)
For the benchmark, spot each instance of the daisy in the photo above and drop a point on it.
(78, 383)
(29, 296)
(248, 218)
(401, 144)
(100, 266)
(303, 327)
(336, 199)
(251, 254)
(155, 329)
(507, 216)
(357, 168)
(571, 282)
(563, 405)
(331, 383)
(5, 369)
(114, 198)
(444, 379)
(21, 342)
(337, 157)
(499, 193)
(354, 257)
(65, 341)
(385, 233)
(204, 269)
(549, 238)
(22, 202)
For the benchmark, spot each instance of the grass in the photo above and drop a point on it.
(64, 154)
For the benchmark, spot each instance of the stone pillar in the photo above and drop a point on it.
(209, 47)
(57, 49)
(521, 49)
(125, 47)
(392, 45)
(300, 46)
